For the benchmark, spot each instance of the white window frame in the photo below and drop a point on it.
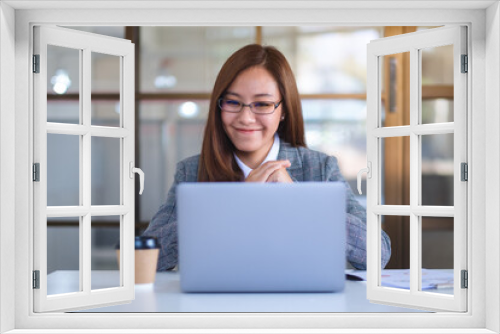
(84, 44)
(483, 123)
(414, 43)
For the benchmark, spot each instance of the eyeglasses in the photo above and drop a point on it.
(257, 107)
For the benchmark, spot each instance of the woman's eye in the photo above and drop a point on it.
(232, 103)
(262, 104)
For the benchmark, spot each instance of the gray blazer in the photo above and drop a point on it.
(306, 165)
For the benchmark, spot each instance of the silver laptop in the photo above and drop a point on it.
(254, 237)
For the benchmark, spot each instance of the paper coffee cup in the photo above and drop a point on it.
(145, 265)
(146, 258)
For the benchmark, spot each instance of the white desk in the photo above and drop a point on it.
(165, 296)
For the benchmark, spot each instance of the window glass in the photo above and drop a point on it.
(398, 228)
(63, 111)
(395, 89)
(400, 258)
(105, 171)
(437, 84)
(63, 78)
(63, 257)
(438, 110)
(437, 65)
(105, 79)
(105, 73)
(437, 253)
(63, 179)
(106, 112)
(394, 168)
(105, 244)
(437, 169)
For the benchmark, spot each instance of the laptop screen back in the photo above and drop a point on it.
(242, 237)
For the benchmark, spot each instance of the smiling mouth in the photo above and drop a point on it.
(247, 130)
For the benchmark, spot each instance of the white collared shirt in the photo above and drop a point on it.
(271, 156)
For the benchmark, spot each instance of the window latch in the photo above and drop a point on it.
(368, 172)
(133, 170)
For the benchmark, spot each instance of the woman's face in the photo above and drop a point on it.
(252, 134)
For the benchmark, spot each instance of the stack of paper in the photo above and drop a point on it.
(400, 278)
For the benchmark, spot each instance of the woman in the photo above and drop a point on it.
(255, 133)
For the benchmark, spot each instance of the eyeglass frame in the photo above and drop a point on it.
(243, 105)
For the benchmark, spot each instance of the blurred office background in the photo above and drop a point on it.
(175, 71)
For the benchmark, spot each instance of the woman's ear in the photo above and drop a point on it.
(282, 117)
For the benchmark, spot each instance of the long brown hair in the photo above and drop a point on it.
(217, 162)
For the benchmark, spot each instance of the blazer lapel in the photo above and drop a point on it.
(288, 152)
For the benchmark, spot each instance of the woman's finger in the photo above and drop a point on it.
(262, 173)
(281, 176)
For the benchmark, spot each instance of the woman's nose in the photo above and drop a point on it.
(246, 115)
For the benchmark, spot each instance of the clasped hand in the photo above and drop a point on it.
(271, 171)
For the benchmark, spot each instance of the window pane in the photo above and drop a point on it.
(67, 111)
(395, 170)
(325, 59)
(170, 131)
(398, 229)
(105, 73)
(105, 171)
(395, 89)
(437, 254)
(437, 170)
(63, 77)
(63, 170)
(437, 111)
(63, 258)
(105, 236)
(105, 79)
(187, 59)
(437, 83)
(106, 113)
(437, 65)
